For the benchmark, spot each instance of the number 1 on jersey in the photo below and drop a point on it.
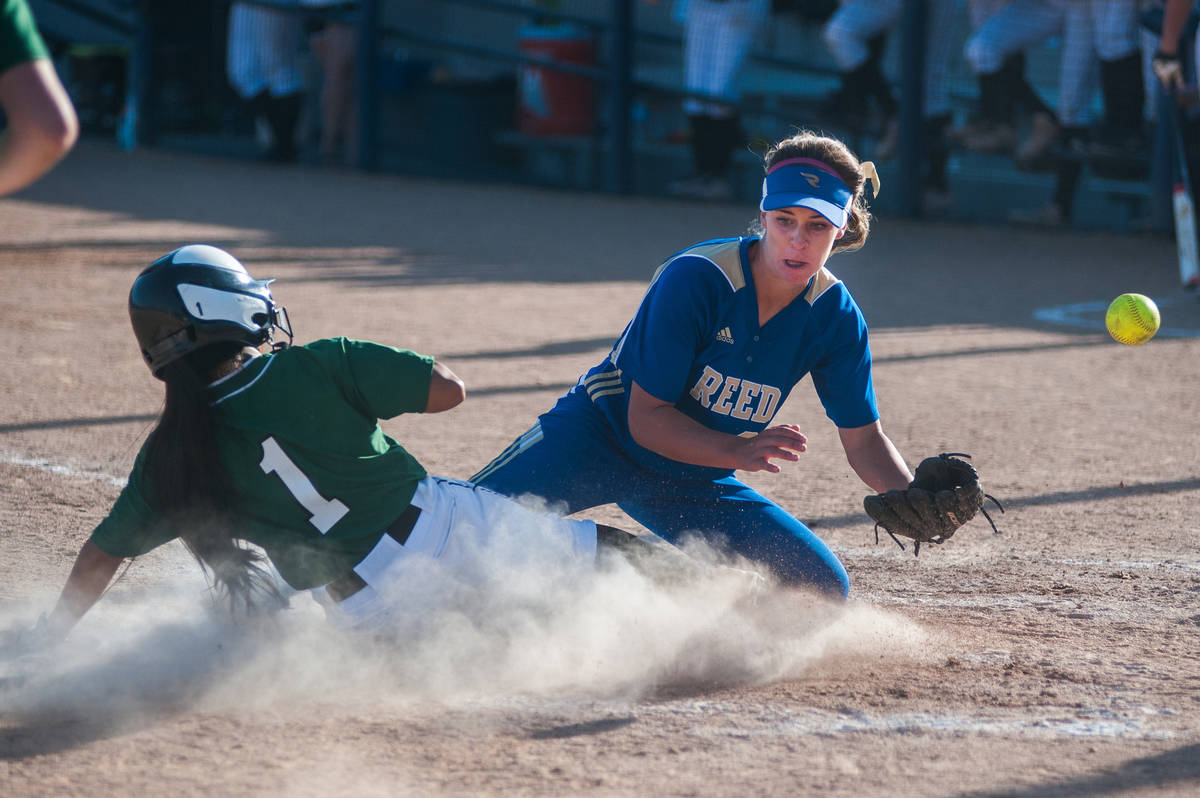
(325, 512)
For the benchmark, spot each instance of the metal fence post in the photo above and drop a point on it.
(367, 85)
(136, 127)
(912, 106)
(620, 99)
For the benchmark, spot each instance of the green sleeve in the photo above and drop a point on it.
(19, 37)
(386, 381)
(130, 528)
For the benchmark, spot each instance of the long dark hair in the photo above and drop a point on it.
(189, 486)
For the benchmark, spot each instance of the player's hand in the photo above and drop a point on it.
(1169, 69)
(784, 442)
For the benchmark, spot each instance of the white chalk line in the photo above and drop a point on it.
(1081, 724)
(1090, 316)
(7, 458)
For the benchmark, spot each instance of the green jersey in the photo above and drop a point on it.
(19, 37)
(316, 481)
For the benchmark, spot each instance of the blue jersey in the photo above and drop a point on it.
(696, 342)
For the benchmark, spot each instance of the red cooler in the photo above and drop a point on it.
(554, 103)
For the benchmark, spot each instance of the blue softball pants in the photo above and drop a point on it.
(572, 457)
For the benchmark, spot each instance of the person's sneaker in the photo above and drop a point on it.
(993, 139)
(1034, 151)
(702, 187)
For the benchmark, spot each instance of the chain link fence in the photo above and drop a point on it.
(988, 110)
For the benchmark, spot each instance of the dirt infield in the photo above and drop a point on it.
(1060, 658)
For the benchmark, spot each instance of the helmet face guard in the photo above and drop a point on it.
(199, 295)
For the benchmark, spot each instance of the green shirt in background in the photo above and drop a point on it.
(19, 37)
(316, 480)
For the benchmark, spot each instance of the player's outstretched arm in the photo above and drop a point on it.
(42, 125)
(93, 570)
(446, 390)
(874, 457)
(660, 427)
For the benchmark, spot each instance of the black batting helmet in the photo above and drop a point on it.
(199, 295)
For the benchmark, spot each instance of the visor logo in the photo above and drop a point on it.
(813, 180)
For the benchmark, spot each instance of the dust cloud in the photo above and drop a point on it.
(521, 617)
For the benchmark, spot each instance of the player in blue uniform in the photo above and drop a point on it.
(688, 393)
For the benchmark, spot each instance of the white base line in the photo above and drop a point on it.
(1060, 724)
(62, 470)
(1081, 315)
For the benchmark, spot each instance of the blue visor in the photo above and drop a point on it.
(807, 183)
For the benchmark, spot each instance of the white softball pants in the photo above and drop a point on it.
(464, 534)
(980, 11)
(263, 51)
(716, 40)
(1090, 29)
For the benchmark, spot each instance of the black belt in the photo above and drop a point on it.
(350, 582)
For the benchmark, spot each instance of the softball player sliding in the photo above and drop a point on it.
(283, 449)
(689, 392)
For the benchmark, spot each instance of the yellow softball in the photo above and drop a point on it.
(1132, 319)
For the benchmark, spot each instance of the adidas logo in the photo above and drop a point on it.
(725, 336)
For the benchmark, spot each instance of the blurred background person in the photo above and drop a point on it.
(996, 56)
(332, 37)
(1116, 44)
(717, 35)
(855, 35)
(1103, 36)
(1096, 34)
(263, 63)
(1176, 52)
(40, 122)
(1168, 57)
